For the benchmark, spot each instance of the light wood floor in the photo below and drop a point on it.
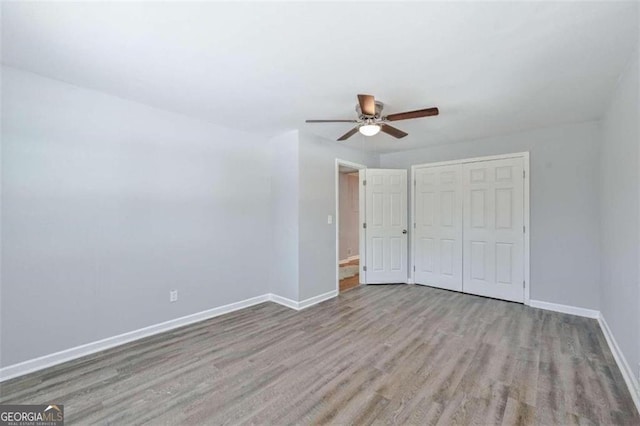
(399, 354)
(350, 282)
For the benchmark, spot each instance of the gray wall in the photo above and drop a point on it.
(317, 201)
(620, 185)
(349, 235)
(565, 237)
(284, 215)
(109, 204)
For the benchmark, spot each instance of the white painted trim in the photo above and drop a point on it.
(527, 234)
(362, 211)
(351, 164)
(50, 360)
(412, 230)
(410, 281)
(349, 259)
(527, 212)
(623, 365)
(283, 301)
(473, 160)
(356, 166)
(45, 361)
(565, 309)
(621, 361)
(298, 306)
(317, 299)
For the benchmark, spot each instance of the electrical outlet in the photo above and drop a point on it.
(329, 219)
(173, 295)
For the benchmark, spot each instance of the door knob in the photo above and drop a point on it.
(404, 231)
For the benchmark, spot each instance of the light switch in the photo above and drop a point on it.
(329, 219)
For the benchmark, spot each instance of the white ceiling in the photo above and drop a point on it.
(492, 68)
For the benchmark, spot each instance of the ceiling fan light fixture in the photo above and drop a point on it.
(371, 121)
(369, 129)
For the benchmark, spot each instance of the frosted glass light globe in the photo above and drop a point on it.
(369, 129)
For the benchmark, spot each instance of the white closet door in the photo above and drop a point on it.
(494, 229)
(386, 232)
(438, 226)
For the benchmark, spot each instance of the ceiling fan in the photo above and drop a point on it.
(371, 121)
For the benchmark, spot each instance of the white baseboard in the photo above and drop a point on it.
(317, 299)
(50, 360)
(410, 281)
(623, 365)
(284, 301)
(304, 303)
(26, 367)
(565, 309)
(349, 259)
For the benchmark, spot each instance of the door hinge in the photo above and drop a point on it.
(523, 284)
(523, 172)
(414, 225)
(414, 268)
(364, 225)
(524, 229)
(364, 268)
(364, 182)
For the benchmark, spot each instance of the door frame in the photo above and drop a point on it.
(339, 162)
(527, 227)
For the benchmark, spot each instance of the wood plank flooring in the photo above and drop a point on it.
(350, 282)
(400, 354)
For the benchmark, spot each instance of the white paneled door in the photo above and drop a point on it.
(438, 226)
(386, 226)
(494, 229)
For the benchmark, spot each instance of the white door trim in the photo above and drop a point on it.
(525, 159)
(473, 160)
(362, 255)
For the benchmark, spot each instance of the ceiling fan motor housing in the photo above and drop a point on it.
(379, 108)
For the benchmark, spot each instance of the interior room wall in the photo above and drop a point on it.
(620, 208)
(349, 210)
(317, 201)
(565, 236)
(108, 204)
(285, 215)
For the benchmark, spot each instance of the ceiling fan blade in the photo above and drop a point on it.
(367, 104)
(390, 130)
(330, 121)
(428, 112)
(348, 134)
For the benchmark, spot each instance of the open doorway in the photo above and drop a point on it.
(348, 224)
